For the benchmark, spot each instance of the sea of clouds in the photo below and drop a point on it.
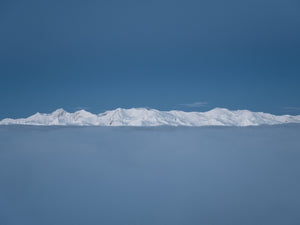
(150, 176)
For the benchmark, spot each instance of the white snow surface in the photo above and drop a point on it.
(152, 117)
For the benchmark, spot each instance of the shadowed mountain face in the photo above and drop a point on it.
(152, 117)
(149, 176)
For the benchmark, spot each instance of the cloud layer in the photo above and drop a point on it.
(195, 104)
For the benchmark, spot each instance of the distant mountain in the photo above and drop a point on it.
(152, 117)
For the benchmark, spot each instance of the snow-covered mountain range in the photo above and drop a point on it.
(152, 117)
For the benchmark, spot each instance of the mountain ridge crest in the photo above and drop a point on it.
(152, 117)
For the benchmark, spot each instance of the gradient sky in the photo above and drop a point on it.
(163, 54)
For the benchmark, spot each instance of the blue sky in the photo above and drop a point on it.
(187, 55)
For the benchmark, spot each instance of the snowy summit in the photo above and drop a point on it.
(152, 117)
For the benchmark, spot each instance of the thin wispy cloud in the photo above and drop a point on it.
(292, 108)
(195, 104)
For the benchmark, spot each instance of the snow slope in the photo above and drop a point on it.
(152, 117)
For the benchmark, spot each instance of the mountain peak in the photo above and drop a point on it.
(59, 112)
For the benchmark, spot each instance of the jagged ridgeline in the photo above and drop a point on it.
(152, 117)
